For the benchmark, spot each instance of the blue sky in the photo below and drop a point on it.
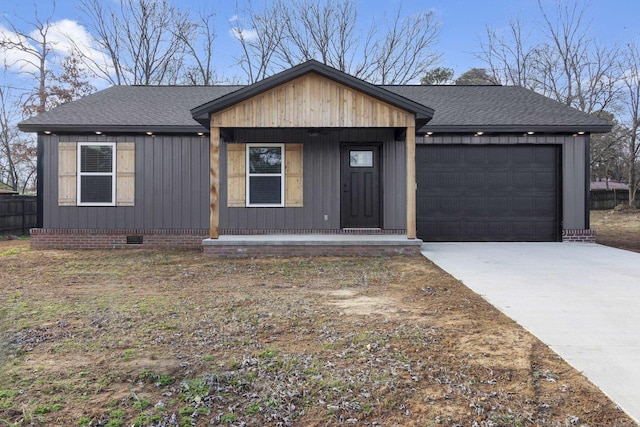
(463, 22)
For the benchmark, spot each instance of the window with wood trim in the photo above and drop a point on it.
(96, 174)
(239, 175)
(265, 175)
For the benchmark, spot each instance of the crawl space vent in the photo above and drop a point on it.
(134, 240)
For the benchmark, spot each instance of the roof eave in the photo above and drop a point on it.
(515, 128)
(166, 129)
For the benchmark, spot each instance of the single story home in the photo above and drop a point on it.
(311, 161)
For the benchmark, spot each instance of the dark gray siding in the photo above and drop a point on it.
(394, 190)
(321, 181)
(172, 186)
(573, 174)
(574, 183)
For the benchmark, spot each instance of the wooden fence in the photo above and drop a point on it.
(18, 214)
(608, 199)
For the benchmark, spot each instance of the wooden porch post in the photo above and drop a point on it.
(411, 181)
(214, 183)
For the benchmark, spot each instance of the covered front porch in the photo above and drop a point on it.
(308, 162)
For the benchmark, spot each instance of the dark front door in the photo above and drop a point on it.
(360, 181)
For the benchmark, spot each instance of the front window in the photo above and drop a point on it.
(265, 177)
(96, 174)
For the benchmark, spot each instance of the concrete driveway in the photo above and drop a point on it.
(583, 300)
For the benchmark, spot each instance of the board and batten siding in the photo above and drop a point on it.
(575, 182)
(171, 186)
(321, 182)
(573, 175)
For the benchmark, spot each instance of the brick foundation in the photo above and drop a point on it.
(266, 251)
(193, 239)
(42, 238)
(579, 235)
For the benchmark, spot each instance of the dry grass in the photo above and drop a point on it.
(620, 229)
(123, 338)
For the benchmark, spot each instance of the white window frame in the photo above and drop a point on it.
(112, 174)
(249, 175)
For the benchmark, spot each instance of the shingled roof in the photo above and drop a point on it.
(167, 109)
(130, 108)
(497, 109)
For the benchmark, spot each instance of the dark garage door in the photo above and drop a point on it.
(488, 192)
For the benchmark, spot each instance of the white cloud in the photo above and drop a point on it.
(64, 34)
(63, 37)
(248, 34)
(234, 18)
(13, 58)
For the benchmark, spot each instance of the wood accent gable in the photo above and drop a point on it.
(67, 169)
(125, 173)
(293, 175)
(312, 101)
(236, 175)
(214, 183)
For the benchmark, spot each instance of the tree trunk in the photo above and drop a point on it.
(632, 183)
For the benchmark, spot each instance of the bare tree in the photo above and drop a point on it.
(143, 40)
(607, 159)
(260, 35)
(509, 55)
(8, 171)
(407, 49)
(17, 152)
(630, 60)
(35, 50)
(573, 68)
(284, 34)
(322, 31)
(567, 65)
(36, 57)
(198, 38)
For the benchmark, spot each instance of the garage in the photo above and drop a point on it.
(494, 193)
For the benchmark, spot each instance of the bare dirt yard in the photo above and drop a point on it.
(619, 228)
(150, 338)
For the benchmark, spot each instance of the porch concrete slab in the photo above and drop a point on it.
(581, 299)
(314, 240)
